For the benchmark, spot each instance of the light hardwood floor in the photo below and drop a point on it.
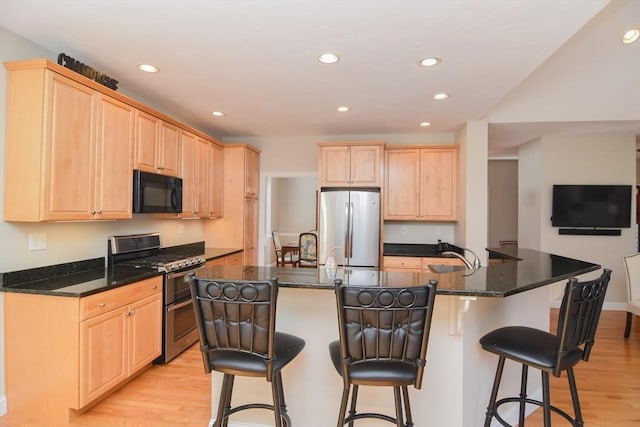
(178, 394)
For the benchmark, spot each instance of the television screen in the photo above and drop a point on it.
(606, 206)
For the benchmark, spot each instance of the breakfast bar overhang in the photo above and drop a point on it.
(511, 290)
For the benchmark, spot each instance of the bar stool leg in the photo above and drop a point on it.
(398, 401)
(491, 408)
(407, 406)
(523, 394)
(354, 399)
(277, 414)
(546, 399)
(627, 327)
(227, 402)
(343, 404)
(574, 397)
(222, 401)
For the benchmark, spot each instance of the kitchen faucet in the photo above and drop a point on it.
(475, 265)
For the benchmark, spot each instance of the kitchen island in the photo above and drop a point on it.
(511, 290)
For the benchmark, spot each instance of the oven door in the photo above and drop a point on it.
(180, 328)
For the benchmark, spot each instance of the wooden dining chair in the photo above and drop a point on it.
(283, 258)
(308, 244)
(508, 243)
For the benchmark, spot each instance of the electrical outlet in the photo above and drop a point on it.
(404, 230)
(37, 241)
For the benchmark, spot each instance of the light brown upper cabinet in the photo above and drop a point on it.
(68, 153)
(350, 164)
(210, 169)
(157, 145)
(421, 183)
(190, 184)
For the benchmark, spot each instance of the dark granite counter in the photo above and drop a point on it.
(425, 250)
(519, 270)
(87, 277)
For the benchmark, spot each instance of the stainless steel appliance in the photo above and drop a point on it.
(350, 226)
(178, 263)
(154, 193)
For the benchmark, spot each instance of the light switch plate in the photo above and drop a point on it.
(37, 241)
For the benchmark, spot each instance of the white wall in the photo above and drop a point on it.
(576, 159)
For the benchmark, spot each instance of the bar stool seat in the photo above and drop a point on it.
(577, 323)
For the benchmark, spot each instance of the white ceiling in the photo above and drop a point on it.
(256, 59)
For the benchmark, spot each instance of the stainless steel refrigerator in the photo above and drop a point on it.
(350, 226)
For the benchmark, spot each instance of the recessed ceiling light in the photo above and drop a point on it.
(328, 58)
(148, 68)
(425, 124)
(429, 62)
(439, 96)
(631, 36)
(343, 109)
(218, 113)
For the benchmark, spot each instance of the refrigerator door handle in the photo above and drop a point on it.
(346, 231)
(350, 231)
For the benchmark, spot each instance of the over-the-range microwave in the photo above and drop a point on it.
(155, 193)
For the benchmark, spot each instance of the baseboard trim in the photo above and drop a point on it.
(3, 405)
(232, 424)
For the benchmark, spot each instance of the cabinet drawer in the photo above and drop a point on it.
(105, 301)
(440, 261)
(403, 262)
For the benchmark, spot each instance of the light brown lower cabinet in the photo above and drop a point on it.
(63, 353)
(233, 259)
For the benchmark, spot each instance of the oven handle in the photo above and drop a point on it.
(180, 305)
(190, 272)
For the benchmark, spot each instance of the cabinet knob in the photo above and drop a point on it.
(93, 212)
(102, 305)
(99, 211)
(154, 287)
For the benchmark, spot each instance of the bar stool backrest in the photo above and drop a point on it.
(578, 318)
(384, 323)
(235, 316)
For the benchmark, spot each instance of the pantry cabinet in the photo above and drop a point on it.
(92, 344)
(239, 226)
(157, 145)
(350, 164)
(421, 183)
(68, 154)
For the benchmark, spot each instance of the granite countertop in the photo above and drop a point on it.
(518, 270)
(86, 277)
(426, 250)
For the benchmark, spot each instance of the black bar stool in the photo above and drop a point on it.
(236, 320)
(383, 342)
(577, 324)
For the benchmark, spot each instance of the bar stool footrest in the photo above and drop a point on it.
(285, 415)
(359, 416)
(532, 402)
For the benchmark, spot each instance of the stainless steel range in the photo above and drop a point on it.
(178, 263)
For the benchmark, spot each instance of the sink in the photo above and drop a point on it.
(442, 268)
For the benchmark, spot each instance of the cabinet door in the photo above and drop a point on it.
(103, 359)
(251, 231)
(334, 166)
(216, 180)
(146, 141)
(252, 173)
(438, 184)
(204, 177)
(169, 150)
(114, 159)
(144, 332)
(402, 180)
(70, 147)
(189, 174)
(364, 165)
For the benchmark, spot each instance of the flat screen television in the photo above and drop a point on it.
(594, 206)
